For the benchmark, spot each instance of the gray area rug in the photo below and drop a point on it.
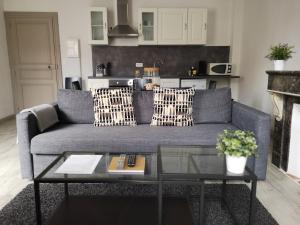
(21, 211)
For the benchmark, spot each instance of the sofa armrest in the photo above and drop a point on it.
(27, 128)
(247, 118)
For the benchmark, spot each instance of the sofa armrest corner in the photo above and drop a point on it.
(248, 118)
(27, 128)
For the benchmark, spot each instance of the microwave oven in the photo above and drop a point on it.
(219, 69)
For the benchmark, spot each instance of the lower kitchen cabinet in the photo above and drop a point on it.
(98, 83)
(197, 84)
(169, 83)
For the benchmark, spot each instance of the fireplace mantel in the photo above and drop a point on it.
(284, 87)
(284, 82)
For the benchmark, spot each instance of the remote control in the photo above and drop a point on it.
(131, 160)
(121, 162)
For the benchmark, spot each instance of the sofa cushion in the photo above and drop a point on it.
(173, 107)
(212, 106)
(142, 138)
(143, 106)
(75, 106)
(113, 107)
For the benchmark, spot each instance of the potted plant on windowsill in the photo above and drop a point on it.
(279, 54)
(236, 145)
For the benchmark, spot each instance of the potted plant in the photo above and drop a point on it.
(236, 145)
(279, 54)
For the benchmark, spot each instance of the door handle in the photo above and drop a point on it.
(49, 67)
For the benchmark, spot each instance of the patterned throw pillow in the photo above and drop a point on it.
(113, 107)
(173, 107)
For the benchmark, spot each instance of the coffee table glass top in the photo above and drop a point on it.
(195, 162)
(100, 173)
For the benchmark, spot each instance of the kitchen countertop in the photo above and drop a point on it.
(172, 77)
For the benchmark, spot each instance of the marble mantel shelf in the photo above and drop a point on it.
(284, 93)
(284, 72)
(284, 82)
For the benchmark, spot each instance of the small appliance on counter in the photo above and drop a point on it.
(102, 70)
(219, 69)
(202, 69)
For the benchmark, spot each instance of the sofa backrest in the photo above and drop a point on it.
(210, 106)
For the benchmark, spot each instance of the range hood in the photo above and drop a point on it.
(122, 29)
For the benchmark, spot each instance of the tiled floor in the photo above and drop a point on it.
(279, 193)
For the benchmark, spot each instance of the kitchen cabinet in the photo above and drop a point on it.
(194, 83)
(182, 26)
(170, 82)
(197, 26)
(98, 83)
(147, 26)
(98, 26)
(172, 26)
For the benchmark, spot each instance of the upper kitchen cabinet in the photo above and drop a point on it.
(172, 26)
(197, 26)
(147, 26)
(177, 26)
(98, 26)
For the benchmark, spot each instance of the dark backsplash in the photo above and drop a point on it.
(176, 59)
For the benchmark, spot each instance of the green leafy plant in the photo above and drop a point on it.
(237, 143)
(280, 52)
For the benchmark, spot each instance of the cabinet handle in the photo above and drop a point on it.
(186, 26)
(205, 26)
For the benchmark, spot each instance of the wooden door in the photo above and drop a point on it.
(33, 45)
(172, 26)
(197, 20)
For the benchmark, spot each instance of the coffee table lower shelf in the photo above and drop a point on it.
(112, 210)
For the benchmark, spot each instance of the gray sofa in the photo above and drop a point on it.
(213, 111)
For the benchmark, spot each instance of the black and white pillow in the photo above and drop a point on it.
(113, 107)
(173, 107)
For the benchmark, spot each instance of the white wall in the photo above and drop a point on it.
(266, 22)
(6, 99)
(73, 21)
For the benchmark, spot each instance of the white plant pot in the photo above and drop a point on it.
(235, 164)
(279, 65)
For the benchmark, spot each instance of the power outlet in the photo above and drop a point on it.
(139, 65)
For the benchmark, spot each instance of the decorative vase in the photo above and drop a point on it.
(236, 164)
(279, 65)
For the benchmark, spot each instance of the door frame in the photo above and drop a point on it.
(57, 50)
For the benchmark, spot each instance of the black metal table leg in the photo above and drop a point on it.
(223, 202)
(66, 190)
(37, 203)
(160, 203)
(252, 210)
(201, 204)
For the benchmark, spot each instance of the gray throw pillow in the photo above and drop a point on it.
(212, 106)
(75, 106)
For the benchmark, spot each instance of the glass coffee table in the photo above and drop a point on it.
(188, 165)
(195, 165)
(100, 175)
